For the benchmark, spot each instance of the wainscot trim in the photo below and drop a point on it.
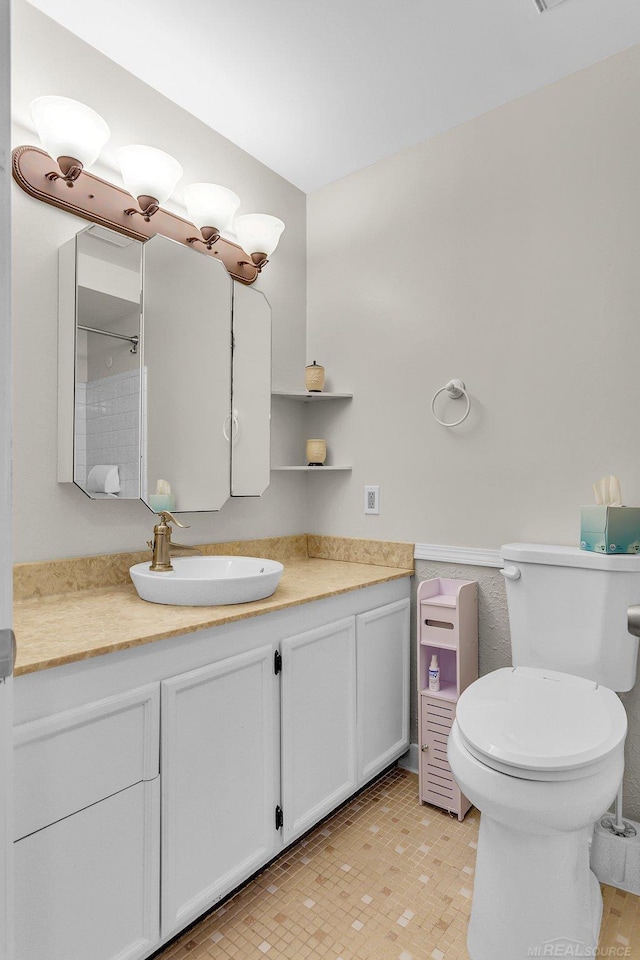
(474, 556)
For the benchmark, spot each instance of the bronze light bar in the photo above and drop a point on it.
(104, 203)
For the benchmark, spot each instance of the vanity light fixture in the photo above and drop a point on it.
(258, 234)
(71, 133)
(212, 208)
(150, 175)
(74, 135)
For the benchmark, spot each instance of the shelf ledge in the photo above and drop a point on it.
(306, 397)
(326, 469)
(439, 644)
(447, 691)
(441, 600)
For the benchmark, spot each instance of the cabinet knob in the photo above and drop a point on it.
(425, 747)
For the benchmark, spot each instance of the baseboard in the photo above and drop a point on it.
(409, 760)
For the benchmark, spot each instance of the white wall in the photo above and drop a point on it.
(6, 695)
(6, 373)
(53, 520)
(505, 252)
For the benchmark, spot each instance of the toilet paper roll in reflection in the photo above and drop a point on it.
(316, 452)
(104, 478)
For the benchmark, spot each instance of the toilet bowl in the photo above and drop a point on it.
(541, 754)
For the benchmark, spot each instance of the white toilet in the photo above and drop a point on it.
(538, 748)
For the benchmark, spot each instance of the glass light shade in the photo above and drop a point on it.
(210, 205)
(148, 172)
(69, 129)
(258, 232)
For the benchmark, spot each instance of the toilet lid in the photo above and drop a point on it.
(540, 719)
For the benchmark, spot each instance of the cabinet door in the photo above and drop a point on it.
(250, 429)
(218, 793)
(383, 687)
(186, 391)
(318, 723)
(437, 785)
(88, 886)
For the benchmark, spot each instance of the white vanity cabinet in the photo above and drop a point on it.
(87, 814)
(218, 785)
(267, 724)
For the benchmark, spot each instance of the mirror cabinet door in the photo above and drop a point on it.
(251, 399)
(186, 375)
(151, 397)
(99, 364)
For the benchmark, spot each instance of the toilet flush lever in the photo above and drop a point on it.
(633, 619)
(511, 573)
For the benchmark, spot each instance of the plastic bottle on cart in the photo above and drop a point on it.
(434, 674)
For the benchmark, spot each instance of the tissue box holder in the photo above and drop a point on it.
(162, 501)
(606, 529)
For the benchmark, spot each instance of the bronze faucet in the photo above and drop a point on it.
(163, 546)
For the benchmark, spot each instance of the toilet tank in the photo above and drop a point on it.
(568, 611)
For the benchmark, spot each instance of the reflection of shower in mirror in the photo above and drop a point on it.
(107, 369)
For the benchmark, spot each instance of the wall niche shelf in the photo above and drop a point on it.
(306, 396)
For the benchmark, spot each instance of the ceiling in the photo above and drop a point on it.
(318, 90)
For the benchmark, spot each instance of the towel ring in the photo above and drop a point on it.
(455, 389)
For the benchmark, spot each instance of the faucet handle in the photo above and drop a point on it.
(167, 517)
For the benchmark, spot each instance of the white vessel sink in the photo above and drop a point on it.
(208, 581)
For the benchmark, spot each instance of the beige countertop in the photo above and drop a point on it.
(78, 624)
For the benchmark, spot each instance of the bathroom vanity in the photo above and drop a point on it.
(153, 780)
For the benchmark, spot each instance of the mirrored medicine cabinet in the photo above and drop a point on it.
(164, 373)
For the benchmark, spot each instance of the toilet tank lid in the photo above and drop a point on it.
(569, 557)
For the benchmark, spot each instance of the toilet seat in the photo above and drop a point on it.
(540, 724)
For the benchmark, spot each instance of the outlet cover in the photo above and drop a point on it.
(372, 499)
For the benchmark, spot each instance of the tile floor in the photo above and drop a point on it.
(384, 878)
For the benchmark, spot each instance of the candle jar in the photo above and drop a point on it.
(314, 377)
(316, 452)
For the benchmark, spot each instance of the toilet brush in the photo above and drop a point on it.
(615, 850)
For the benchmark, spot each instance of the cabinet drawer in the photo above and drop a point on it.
(69, 760)
(438, 623)
(86, 888)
